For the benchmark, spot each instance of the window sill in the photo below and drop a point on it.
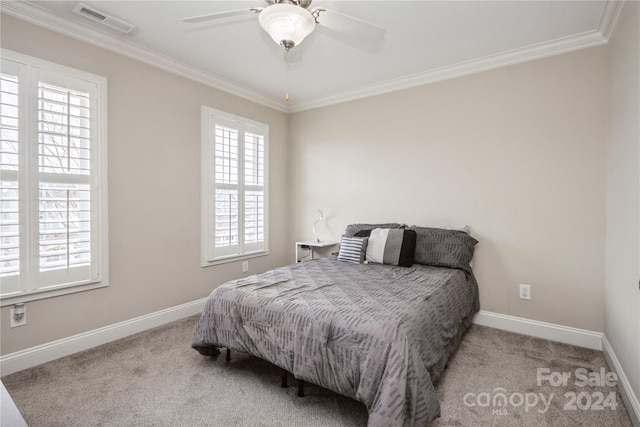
(28, 296)
(234, 258)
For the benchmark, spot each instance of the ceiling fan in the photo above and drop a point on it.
(288, 22)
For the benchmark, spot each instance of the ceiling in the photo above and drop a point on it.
(425, 41)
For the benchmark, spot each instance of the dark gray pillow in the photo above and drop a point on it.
(443, 248)
(363, 230)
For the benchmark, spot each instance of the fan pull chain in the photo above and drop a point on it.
(286, 81)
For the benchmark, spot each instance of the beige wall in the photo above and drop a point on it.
(517, 153)
(622, 326)
(154, 191)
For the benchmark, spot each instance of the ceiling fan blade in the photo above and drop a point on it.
(218, 15)
(349, 26)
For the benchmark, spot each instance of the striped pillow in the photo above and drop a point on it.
(353, 249)
(391, 246)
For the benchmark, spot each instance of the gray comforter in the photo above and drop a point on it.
(376, 333)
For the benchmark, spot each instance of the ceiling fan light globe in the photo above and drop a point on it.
(286, 23)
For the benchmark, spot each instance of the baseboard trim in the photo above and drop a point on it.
(567, 335)
(38, 355)
(624, 386)
(34, 356)
(535, 328)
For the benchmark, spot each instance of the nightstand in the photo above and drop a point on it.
(311, 245)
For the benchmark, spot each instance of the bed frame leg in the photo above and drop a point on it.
(284, 380)
(300, 388)
(228, 355)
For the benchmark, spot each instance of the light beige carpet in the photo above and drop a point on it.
(155, 379)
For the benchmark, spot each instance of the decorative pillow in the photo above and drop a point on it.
(363, 230)
(391, 246)
(353, 249)
(444, 248)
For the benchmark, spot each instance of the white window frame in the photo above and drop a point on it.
(31, 70)
(211, 117)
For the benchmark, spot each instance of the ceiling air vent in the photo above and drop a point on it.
(103, 18)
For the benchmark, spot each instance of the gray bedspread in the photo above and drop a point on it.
(376, 333)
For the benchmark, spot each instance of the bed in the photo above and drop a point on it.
(376, 332)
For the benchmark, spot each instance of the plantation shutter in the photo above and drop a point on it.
(253, 191)
(227, 214)
(234, 183)
(51, 236)
(9, 190)
(64, 196)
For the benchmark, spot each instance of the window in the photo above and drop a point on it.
(234, 187)
(52, 179)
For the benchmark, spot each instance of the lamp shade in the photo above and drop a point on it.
(287, 24)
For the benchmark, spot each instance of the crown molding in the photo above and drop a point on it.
(610, 13)
(43, 18)
(490, 62)
(609, 17)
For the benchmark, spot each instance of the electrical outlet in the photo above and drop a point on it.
(245, 266)
(525, 291)
(16, 320)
